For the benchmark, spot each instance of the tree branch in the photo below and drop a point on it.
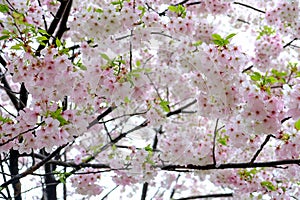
(207, 196)
(154, 146)
(30, 170)
(247, 6)
(289, 43)
(180, 110)
(11, 95)
(61, 10)
(231, 165)
(214, 142)
(63, 24)
(261, 147)
(106, 112)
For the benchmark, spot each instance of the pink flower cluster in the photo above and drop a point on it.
(86, 183)
(267, 48)
(45, 77)
(285, 15)
(216, 6)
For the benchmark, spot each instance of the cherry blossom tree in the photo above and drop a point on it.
(149, 99)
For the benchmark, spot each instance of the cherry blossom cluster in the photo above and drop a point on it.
(292, 95)
(284, 15)
(193, 88)
(44, 78)
(267, 48)
(86, 183)
(216, 6)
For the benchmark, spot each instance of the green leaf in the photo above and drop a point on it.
(19, 17)
(197, 43)
(271, 80)
(6, 32)
(265, 30)
(82, 67)
(127, 100)
(216, 37)
(256, 76)
(164, 105)
(116, 2)
(17, 47)
(223, 140)
(138, 63)
(98, 10)
(219, 42)
(180, 10)
(148, 148)
(173, 9)
(57, 42)
(4, 37)
(230, 36)
(43, 32)
(247, 175)
(297, 125)
(268, 185)
(143, 9)
(5, 119)
(58, 116)
(42, 39)
(277, 73)
(285, 137)
(4, 8)
(103, 55)
(62, 176)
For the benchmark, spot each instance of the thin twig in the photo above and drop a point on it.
(242, 165)
(173, 190)
(105, 196)
(30, 170)
(105, 113)
(261, 147)
(130, 53)
(289, 43)
(214, 142)
(22, 133)
(181, 109)
(14, 116)
(247, 69)
(247, 6)
(206, 196)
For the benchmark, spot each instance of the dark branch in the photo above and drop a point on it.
(207, 196)
(289, 43)
(261, 147)
(180, 110)
(231, 165)
(30, 170)
(154, 146)
(214, 142)
(105, 196)
(105, 113)
(11, 95)
(247, 69)
(63, 24)
(173, 190)
(247, 6)
(61, 10)
(144, 191)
